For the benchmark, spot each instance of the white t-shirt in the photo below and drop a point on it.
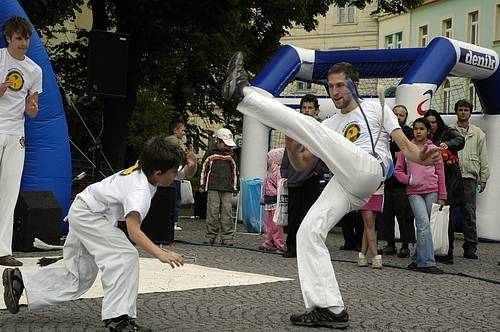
(119, 194)
(27, 78)
(353, 127)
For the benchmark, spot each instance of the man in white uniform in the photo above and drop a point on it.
(20, 85)
(357, 172)
(95, 243)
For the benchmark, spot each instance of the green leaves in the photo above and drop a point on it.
(178, 54)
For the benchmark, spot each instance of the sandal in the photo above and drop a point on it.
(13, 289)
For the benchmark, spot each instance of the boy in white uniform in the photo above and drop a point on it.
(95, 243)
(20, 84)
(357, 173)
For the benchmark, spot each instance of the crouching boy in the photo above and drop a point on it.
(95, 243)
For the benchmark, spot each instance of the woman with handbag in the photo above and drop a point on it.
(450, 141)
(424, 185)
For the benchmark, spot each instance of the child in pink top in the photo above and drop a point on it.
(425, 185)
(273, 236)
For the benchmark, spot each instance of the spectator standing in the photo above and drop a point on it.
(273, 236)
(475, 172)
(447, 138)
(425, 186)
(396, 203)
(303, 186)
(219, 177)
(368, 213)
(177, 137)
(20, 85)
(352, 231)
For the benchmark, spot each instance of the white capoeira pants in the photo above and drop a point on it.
(11, 170)
(93, 243)
(357, 175)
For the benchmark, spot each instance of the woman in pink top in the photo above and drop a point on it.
(273, 234)
(425, 185)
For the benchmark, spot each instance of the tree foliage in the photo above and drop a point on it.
(178, 54)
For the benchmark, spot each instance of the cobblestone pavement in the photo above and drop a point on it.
(466, 298)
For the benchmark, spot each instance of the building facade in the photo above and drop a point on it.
(342, 28)
(476, 22)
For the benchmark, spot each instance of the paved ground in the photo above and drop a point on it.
(467, 298)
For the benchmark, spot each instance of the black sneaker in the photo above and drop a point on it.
(469, 254)
(348, 247)
(404, 252)
(446, 259)
(430, 269)
(13, 289)
(387, 250)
(124, 324)
(322, 317)
(236, 78)
(412, 266)
(290, 253)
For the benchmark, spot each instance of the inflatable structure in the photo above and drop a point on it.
(422, 69)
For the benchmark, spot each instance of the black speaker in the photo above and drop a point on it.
(158, 224)
(107, 63)
(37, 214)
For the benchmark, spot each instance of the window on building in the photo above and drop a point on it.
(497, 23)
(423, 36)
(345, 14)
(474, 28)
(302, 86)
(446, 96)
(389, 42)
(447, 28)
(473, 98)
(394, 41)
(399, 39)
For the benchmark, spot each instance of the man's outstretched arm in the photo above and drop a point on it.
(300, 158)
(426, 156)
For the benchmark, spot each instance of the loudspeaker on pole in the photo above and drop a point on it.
(107, 63)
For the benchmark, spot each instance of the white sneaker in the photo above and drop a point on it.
(377, 262)
(177, 228)
(362, 260)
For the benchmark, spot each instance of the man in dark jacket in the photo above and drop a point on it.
(303, 186)
(396, 201)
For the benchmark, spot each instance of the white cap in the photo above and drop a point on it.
(225, 135)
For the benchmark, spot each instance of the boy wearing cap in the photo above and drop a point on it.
(219, 177)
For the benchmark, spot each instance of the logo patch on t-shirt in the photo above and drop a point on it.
(352, 132)
(16, 80)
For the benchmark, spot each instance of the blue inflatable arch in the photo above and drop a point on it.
(47, 164)
(423, 70)
(430, 65)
